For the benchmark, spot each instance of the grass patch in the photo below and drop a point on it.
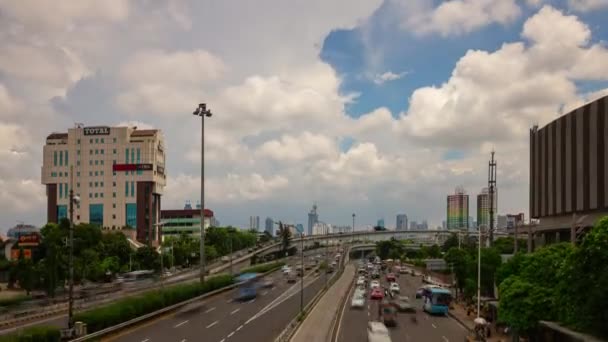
(136, 306)
(34, 334)
(14, 300)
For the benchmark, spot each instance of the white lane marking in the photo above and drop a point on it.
(239, 328)
(180, 324)
(434, 326)
(235, 311)
(230, 335)
(368, 314)
(264, 293)
(212, 324)
(251, 301)
(222, 340)
(445, 339)
(146, 340)
(184, 340)
(209, 310)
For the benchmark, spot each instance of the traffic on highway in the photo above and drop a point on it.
(257, 310)
(383, 305)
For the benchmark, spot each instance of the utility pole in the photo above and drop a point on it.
(71, 256)
(492, 188)
(353, 231)
(479, 274)
(230, 241)
(515, 238)
(303, 268)
(203, 112)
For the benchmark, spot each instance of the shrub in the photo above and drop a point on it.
(14, 300)
(34, 334)
(150, 301)
(263, 268)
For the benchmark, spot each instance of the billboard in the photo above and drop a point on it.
(99, 130)
(132, 167)
(27, 254)
(32, 239)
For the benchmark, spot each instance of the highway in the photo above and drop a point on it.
(220, 317)
(353, 325)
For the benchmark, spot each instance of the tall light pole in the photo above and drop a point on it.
(353, 232)
(203, 112)
(71, 256)
(479, 274)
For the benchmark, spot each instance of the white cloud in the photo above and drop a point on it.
(458, 16)
(387, 77)
(298, 148)
(587, 5)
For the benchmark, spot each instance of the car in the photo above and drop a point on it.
(358, 301)
(286, 270)
(292, 277)
(267, 283)
(377, 332)
(360, 282)
(402, 303)
(374, 284)
(375, 275)
(391, 278)
(394, 288)
(403, 270)
(377, 293)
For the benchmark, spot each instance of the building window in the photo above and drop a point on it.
(90, 151)
(101, 194)
(114, 184)
(139, 172)
(60, 173)
(60, 158)
(96, 214)
(60, 190)
(114, 194)
(90, 173)
(90, 195)
(101, 151)
(62, 212)
(90, 184)
(77, 173)
(132, 189)
(96, 162)
(90, 162)
(114, 216)
(78, 152)
(53, 174)
(114, 162)
(114, 205)
(131, 214)
(66, 158)
(96, 183)
(101, 173)
(78, 163)
(90, 141)
(101, 161)
(96, 151)
(132, 154)
(78, 185)
(78, 141)
(96, 173)
(114, 140)
(126, 189)
(101, 184)
(78, 217)
(96, 195)
(102, 140)
(55, 158)
(114, 151)
(96, 140)
(126, 156)
(113, 173)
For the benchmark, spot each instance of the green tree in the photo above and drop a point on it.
(523, 304)
(147, 258)
(452, 241)
(285, 235)
(26, 273)
(462, 264)
(584, 276)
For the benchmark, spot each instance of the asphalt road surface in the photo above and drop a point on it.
(353, 326)
(221, 318)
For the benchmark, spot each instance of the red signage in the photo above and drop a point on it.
(132, 167)
(29, 240)
(27, 254)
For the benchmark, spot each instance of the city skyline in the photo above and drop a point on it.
(330, 121)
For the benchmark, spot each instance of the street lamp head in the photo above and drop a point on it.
(200, 110)
(208, 114)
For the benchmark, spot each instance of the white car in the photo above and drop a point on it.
(358, 301)
(361, 282)
(395, 288)
(374, 283)
(377, 332)
(286, 270)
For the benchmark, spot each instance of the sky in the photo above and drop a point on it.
(372, 107)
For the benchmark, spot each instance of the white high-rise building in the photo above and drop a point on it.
(254, 222)
(401, 222)
(118, 174)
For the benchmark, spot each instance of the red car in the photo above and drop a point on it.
(377, 293)
(391, 278)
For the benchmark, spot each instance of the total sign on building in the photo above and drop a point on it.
(118, 173)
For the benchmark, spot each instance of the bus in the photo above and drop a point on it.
(437, 300)
(248, 286)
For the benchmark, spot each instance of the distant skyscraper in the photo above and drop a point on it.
(458, 210)
(413, 225)
(269, 226)
(254, 222)
(401, 222)
(443, 224)
(300, 228)
(313, 218)
(424, 225)
(483, 208)
(380, 223)
(515, 220)
(501, 222)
